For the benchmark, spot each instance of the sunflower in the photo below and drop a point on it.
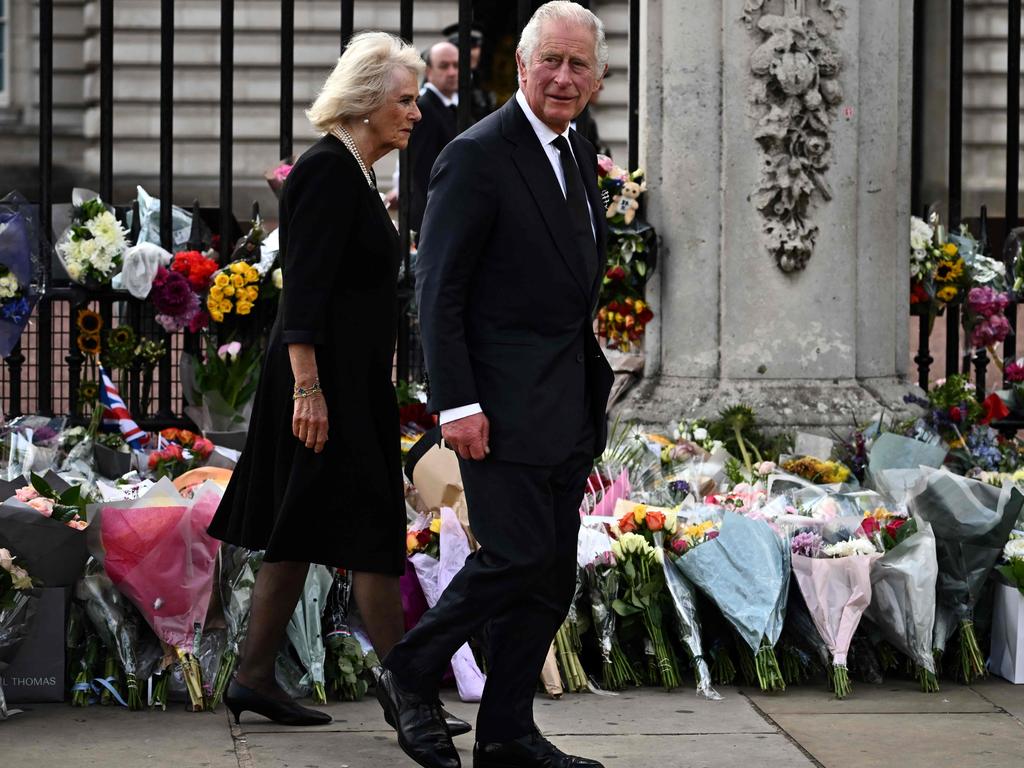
(88, 392)
(946, 293)
(122, 336)
(947, 270)
(89, 322)
(89, 344)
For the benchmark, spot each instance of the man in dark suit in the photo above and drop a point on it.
(438, 103)
(507, 282)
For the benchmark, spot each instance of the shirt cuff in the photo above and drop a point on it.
(454, 414)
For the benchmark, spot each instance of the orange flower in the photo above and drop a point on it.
(411, 543)
(169, 434)
(655, 520)
(627, 523)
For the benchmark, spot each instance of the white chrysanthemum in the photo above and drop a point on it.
(848, 548)
(8, 286)
(74, 270)
(107, 229)
(103, 259)
(921, 233)
(1014, 549)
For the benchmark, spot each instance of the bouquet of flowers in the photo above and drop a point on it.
(903, 582)
(17, 607)
(21, 282)
(595, 558)
(197, 267)
(222, 386)
(435, 573)
(304, 630)
(641, 573)
(275, 176)
(937, 271)
(235, 288)
(238, 577)
(723, 560)
(1012, 567)
(823, 472)
(92, 248)
(623, 313)
(835, 581)
(157, 553)
(184, 451)
(176, 304)
(972, 522)
(39, 528)
(348, 668)
(984, 319)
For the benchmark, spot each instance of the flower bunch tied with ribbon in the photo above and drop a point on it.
(92, 248)
(21, 278)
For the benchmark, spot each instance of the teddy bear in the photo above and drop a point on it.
(625, 204)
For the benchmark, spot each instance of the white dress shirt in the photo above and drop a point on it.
(545, 135)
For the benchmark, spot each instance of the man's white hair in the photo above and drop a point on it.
(564, 10)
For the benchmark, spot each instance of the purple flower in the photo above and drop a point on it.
(984, 301)
(989, 331)
(1014, 372)
(806, 543)
(173, 295)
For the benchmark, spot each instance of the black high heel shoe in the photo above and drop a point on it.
(240, 699)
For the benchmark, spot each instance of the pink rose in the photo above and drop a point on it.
(202, 447)
(43, 506)
(604, 165)
(27, 493)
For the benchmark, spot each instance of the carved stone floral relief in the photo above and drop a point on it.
(794, 99)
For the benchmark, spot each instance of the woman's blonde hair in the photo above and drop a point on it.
(360, 81)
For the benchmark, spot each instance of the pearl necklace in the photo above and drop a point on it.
(339, 132)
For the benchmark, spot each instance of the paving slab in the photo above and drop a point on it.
(379, 750)
(112, 737)
(1003, 694)
(896, 697)
(993, 740)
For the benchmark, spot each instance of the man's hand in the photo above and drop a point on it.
(391, 199)
(468, 436)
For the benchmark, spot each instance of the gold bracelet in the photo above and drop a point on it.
(304, 392)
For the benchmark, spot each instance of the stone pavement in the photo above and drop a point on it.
(886, 725)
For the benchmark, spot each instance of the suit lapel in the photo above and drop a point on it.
(533, 164)
(588, 169)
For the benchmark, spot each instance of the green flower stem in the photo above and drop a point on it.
(929, 684)
(971, 661)
(228, 661)
(840, 678)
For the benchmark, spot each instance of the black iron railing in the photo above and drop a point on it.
(996, 236)
(43, 373)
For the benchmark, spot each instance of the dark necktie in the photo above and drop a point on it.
(453, 115)
(579, 211)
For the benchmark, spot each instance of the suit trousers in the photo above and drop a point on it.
(517, 586)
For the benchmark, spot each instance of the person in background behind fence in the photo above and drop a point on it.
(297, 493)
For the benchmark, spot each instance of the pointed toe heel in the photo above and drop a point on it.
(239, 699)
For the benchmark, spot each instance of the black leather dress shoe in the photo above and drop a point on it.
(422, 732)
(456, 725)
(532, 751)
(238, 698)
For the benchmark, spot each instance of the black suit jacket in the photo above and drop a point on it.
(505, 307)
(437, 127)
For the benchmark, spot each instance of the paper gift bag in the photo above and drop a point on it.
(1007, 657)
(434, 470)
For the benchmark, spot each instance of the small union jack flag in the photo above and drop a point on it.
(116, 416)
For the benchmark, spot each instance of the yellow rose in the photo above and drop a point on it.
(243, 307)
(216, 293)
(229, 290)
(949, 249)
(639, 514)
(435, 525)
(252, 293)
(237, 280)
(238, 267)
(221, 280)
(218, 316)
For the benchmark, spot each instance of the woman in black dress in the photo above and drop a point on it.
(300, 493)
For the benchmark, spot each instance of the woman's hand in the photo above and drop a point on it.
(309, 421)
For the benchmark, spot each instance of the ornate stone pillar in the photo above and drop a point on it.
(777, 148)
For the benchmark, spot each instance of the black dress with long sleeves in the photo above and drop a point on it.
(344, 506)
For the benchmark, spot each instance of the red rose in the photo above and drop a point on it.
(423, 537)
(894, 526)
(870, 526)
(955, 413)
(616, 273)
(918, 294)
